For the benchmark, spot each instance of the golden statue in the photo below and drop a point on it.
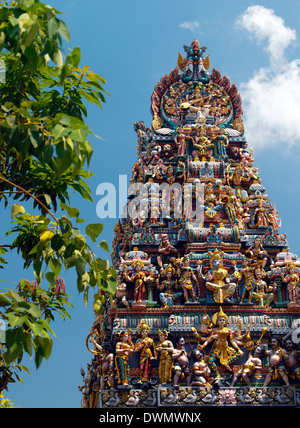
(217, 280)
(165, 348)
(186, 275)
(222, 337)
(124, 349)
(147, 351)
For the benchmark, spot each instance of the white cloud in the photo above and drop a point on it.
(271, 98)
(263, 24)
(190, 25)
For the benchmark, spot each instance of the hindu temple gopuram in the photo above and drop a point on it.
(206, 311)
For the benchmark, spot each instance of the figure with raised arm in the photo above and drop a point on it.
(225, 347)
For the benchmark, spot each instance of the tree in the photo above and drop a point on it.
(44, 156)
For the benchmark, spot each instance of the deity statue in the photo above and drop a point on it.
(242, 213)
(186, 275)
(203, 146)
(170, 175)
(229, 200)
(273, 218)
(138, 171)
(257, 254)
(107, 364)
(124, 349)
(169, 287)
(139, 278)
(165, 348)
(180, 141)
(263, 292)
(212, 205)
(293, 282)
(222, 337)
(218, 280)
(277, 357)
(165, 251)
(261, 215)
(247, 273)
(220, 142)
(181, 363)
(87, 388)
(147, 351)
(236, 180)
(121, 294)
(139, 219)
(155, 211)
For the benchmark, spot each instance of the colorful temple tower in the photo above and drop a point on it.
(206, 311)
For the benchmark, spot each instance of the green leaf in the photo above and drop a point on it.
(47, 198)
(14, 295)
(91, 97)
(59, 131)
(109, 285)
(38, 358)
(57, 58)
(94, 230)
(35, 327)
(83, 282)
(4, 301)
(50, 277)
(64, 31)
(13, 352)
(81, 134)
(43, 345)
(61, 165)
(102, 264)
(80, 266)
(17, 209)
(21, 367)
(24, 21)
(15, 320)
(65, 224)
(57, 242)
(104, 246)
(35, 311)
(98, 304)
(53, 26)
(72, 212)
(76, 56)
(55, 266)
(27, 343)
(46, 326)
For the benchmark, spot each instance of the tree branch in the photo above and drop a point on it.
(29, 194)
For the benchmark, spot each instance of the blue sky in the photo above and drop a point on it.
(132, 45)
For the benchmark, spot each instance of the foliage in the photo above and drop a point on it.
(5, 403)
(44, 157)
